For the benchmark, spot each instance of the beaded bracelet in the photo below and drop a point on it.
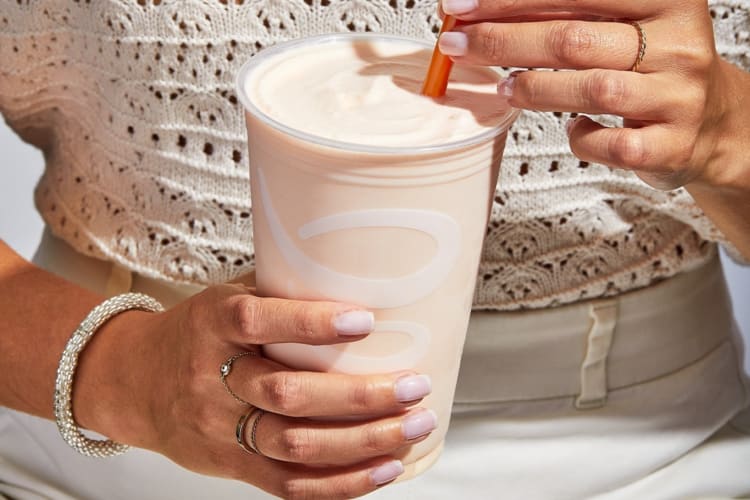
(66, 370)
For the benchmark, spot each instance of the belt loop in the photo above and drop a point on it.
(594, 367)
(120, 280)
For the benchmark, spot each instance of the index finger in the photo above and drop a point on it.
(474, 10)
(257, 320)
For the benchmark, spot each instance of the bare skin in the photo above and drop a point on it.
(151, 380)
(685, 109)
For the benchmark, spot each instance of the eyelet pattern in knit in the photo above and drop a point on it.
(133, 103)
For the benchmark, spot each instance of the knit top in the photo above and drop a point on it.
(134, 107)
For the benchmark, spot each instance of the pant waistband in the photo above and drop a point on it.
(586, 349)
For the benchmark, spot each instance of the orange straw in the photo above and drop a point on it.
(436, 80)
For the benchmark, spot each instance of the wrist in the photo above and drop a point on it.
(110, 385)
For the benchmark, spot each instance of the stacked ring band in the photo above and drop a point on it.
(255, 414)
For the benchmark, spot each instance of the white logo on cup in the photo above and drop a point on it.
(370, 292)
(341, 360)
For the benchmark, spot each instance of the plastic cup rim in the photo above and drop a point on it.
(283, 47)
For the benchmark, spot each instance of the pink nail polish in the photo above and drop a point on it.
(453, 43)
(412, 387)
(418, 424)
(505, 86)
(354, 323)
(386, 472)
(454, 7)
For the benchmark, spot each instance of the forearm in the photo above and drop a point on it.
(730, 211)
(38, 313)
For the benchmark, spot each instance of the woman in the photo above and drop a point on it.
(599, 361)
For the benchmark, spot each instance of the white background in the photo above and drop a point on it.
(21, 226)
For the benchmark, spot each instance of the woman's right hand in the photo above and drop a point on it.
(153, 381)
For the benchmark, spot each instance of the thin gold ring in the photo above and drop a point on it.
(641, 45)
(252, 446)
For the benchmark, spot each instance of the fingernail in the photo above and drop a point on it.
(418, 424)
(453, 43)
(354, 323)
(569, 125)
(387, 472)
(505, 86)
(453, 7)
(412, 387)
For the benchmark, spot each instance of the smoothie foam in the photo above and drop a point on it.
(367, 93)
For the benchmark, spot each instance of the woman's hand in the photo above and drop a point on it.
(685, 109)
(160, 375)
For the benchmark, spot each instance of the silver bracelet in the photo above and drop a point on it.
(69, 360)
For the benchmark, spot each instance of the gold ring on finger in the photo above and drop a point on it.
(226, 369)
(641, 45)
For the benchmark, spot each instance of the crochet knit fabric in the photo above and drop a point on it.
(133, 104)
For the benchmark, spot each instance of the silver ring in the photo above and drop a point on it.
(226, 369)
(252, 446)
(641, 45)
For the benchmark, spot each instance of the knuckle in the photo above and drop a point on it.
(683, 155)
(570, 42)
(284, 392)
(333, 488)
(343, 489)
(303, 319)
(363, 395)
(207, 422)
(628, 150)
(192, 382)
(375, 439)
(195, 312)
(526, 89)
(202, 413)
(698, 57)
(607, 91)
(295, 489)
(492, 41)
(247, 314)
(299, 445)
(699, 101)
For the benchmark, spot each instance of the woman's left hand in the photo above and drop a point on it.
(684, 122)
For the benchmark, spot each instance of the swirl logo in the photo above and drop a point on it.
(370, 292)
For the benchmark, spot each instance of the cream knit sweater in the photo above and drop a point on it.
(132, 102)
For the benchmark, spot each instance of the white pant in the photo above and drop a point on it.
(632, 398)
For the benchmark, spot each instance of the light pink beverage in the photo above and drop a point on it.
(365, 191)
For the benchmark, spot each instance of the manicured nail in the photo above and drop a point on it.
(454, 7)
(418, 424)
(412, 387)
(387, 472)
(354, 323)
(505, 86)
(453, 43)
